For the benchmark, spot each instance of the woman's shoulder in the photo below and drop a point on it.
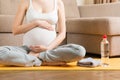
(60, 3)
(24, 3)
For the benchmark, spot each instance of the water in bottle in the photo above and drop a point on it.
(104, 52)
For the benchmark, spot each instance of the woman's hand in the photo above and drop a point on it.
(38, 48)
(44, 24)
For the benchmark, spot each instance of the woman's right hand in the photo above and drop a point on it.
(44, 24)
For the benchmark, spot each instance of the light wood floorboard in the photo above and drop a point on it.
(59, 75)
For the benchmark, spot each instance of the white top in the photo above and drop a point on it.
(40, 36)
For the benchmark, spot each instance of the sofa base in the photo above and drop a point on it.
(8, 39)
(92, 43)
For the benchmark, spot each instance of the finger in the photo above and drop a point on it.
(37, 46)
(50, 28)
(34, 50)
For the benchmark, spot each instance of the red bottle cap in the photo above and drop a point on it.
(104, 36)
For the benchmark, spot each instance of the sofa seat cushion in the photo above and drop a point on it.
(95, 25)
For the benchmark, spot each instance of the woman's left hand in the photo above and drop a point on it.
(38, 48)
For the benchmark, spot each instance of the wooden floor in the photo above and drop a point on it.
(59, 75)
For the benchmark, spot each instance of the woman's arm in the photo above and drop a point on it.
(19, 27)
(61, 26)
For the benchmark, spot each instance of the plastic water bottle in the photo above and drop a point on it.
(104, 51)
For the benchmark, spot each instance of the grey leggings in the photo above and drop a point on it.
(18, 56)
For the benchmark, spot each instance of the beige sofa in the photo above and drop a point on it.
(7, 11)
(96, 20)
(85, 26)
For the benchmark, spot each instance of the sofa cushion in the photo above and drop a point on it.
(100, 10)
(71, 9)
(110, 25)
(8, 7)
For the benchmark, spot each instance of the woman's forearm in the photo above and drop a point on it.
(57, 41)
(24, 28)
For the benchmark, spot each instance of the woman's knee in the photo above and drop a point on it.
(82, 51)
(3, 52)
(79, 50)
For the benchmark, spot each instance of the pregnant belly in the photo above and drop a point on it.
(39, 36)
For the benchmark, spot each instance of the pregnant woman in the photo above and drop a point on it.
(40, 42)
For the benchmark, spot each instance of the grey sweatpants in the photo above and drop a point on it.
(18, 56)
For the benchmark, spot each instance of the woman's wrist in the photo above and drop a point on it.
(49, 48)
(38, 23)
(35, 23)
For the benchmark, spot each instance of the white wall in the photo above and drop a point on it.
(82, 2)
(89, 1)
